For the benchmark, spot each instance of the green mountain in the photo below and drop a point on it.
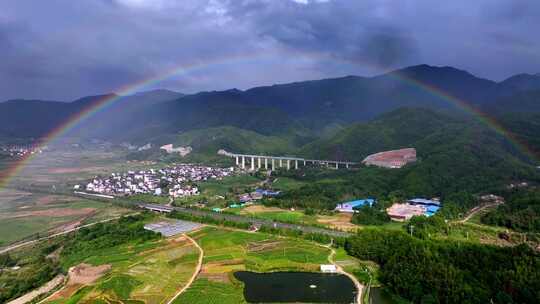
(232, 139)
(309, 108)
(455, 155)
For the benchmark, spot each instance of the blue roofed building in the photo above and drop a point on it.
(431, 210)
(350, 206)
(431, 206)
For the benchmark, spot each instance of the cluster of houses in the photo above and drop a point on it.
(257, 195)
(176, 181)
(18, 151)
(398, 211)
(247, 199)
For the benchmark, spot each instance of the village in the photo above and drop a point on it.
(176, 181)
(18, 151)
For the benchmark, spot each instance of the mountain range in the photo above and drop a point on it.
(294, 114)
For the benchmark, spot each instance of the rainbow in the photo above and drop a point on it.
(132, 88)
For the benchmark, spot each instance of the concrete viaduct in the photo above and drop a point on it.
(260, 161)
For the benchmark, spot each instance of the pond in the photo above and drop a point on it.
(296, 287)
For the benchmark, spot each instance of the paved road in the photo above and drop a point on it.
(477, 209)
(255, 221)
(359, 286)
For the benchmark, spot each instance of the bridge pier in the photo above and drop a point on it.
(255, 162)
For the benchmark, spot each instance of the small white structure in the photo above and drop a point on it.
(327, 268)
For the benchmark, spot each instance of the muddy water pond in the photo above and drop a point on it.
(296, 287)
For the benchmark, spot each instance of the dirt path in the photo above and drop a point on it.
(13, 247)
(359, 286)
(195, 274)
(29, 297)
(475, 210)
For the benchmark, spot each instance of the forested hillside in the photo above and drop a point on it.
(430, 271)
(456, 158)
(309, 106)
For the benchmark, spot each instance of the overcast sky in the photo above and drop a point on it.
(64, 49)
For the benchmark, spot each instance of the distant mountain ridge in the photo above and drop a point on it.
(305, 108)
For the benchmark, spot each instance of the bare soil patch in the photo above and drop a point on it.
(259, 209)
(263, 245)
(340, 221)
(79, 276)
(216, 277)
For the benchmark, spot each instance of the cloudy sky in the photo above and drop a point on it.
(64, 49)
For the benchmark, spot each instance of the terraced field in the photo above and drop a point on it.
(145, 273)
(228, 251)
(26, 215)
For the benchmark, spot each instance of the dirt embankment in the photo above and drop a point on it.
(79, 276)
(48, 287)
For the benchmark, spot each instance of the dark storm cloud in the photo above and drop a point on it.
(61, 49)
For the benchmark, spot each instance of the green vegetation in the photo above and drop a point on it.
(144, 267)
(204, 291)
(230, 251)
(316, 237)
(520, 212)
(432, 271)
(371, 215)
(457, 157)
(121, 285)
(28, 219)
(89, 243)
(32, 270)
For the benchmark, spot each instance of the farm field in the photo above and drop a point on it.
(340, 221)
(24, 215)
(69, 167)
(229, 251)
(277, 214)
(150, 272)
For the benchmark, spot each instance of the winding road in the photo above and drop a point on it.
(195, 274)
(475, 210)
(359, 286)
